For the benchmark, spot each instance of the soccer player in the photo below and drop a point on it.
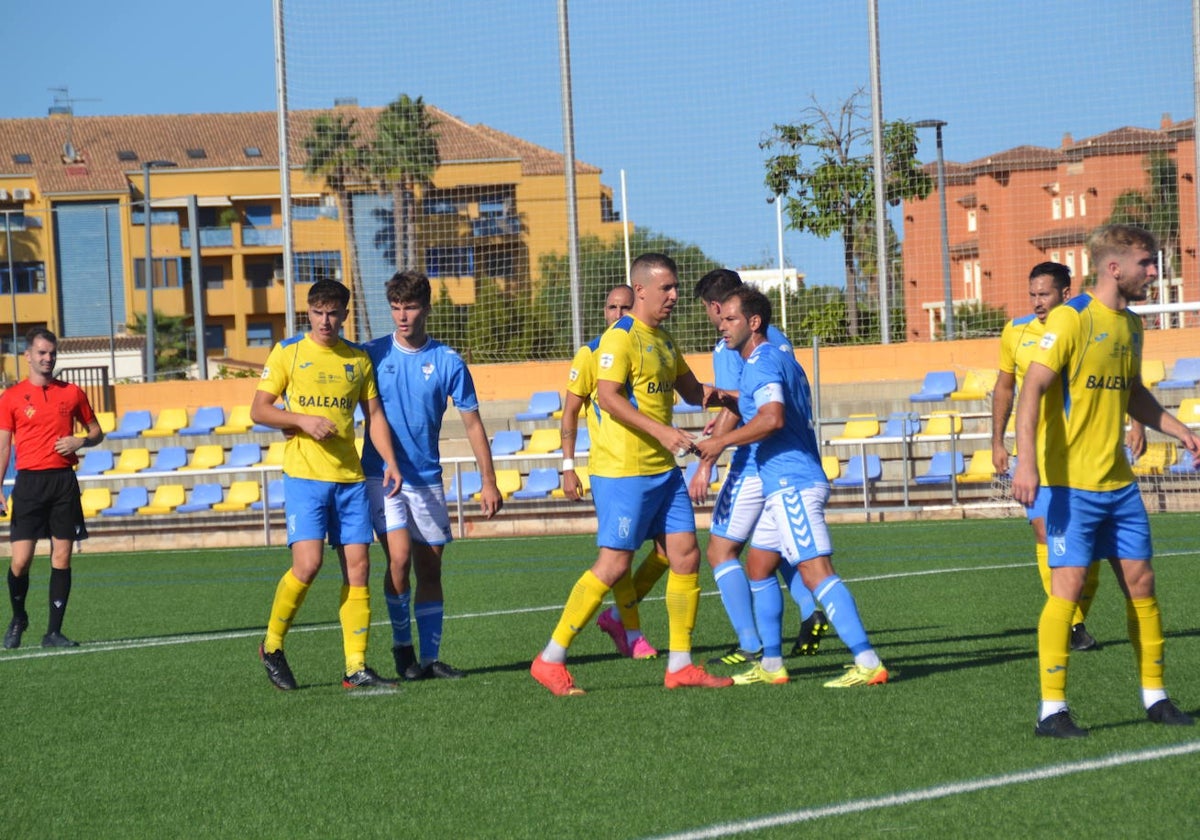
(321, 378)
(775, 405)
(638, 488)
(740, 500)
(416, 374)
(38, 414)
(1083, 378)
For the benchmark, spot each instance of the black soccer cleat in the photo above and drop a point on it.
(278, 671)
(1081, 639)
(405, 658)
(366, 678)
(12, 636)
(439, 670)
(736, 656)
(812, 629)
(55, 639)
(1059, 725)
(1168, 714)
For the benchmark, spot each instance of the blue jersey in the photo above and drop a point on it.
(413, 387)
(727, 373)
(790, 456)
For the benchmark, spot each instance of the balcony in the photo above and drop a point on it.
(210, 237)
(258, 237)
(496, 226)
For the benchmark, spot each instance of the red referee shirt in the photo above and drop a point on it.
(39, 415)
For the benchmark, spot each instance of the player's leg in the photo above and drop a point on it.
(761, 565)
(1081, 639)
(429, 524)
(623, 621)
(18, 589)
(735, 511)
(66, 527)
(30, 519)
(390, 521)
(350, 531)
(814, 624)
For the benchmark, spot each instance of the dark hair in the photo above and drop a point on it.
(651, 261)
(329, 291)
(753, 302)
(1059, 273)
(406, 286)
(717, 284)
(40, 332)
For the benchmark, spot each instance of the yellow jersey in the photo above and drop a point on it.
(327, 382)
(582, 382)
(1097, 353)
(644, 362)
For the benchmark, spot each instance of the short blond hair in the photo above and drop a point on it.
(1119, 239)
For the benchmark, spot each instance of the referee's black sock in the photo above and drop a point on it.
(17, 589)
(60, 591)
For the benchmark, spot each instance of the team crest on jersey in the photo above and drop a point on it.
(573, 375)
(427, 370)
(351, 372)
(30, 411)
(606, 361)
(1048, 340)
(623, 526)
(266, 372)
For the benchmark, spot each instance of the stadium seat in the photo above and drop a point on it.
(943, 466)
(132, 459)
(168, 423)
(205, 421)
(1189, 412)
(1185, 373)
(508, 481)
(507, 441)
(1183, 464)
(274, 455)
(942, 424)
(859, 426)
(238, 422)
(244, 455)
(1153, 372)
(241, 495)
(542, 442)
(542, 404)
(129, 499)
(96, 462)
(274, 496)
(168, 459)
(132, 424)
(1157, 458)
(979, 469)
(107, 421)
(832, 466)
(585, 483)
(202, 498)
(583, 441)
(167, 497)
(95, 499)
(359, 417)
(207, 456)
(472, 483)
(901, 424)
(855, 476)
(977, 385)
(542, 481)
(938, 385)
(359, 443)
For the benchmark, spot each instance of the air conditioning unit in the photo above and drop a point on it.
(277, 274)
(3, 195)
(22, 194)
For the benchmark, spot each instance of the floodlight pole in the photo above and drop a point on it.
(947, 291)
(151, 368)
(12, 290)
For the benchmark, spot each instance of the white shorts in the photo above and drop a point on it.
(738, 506)
(793, 523)
(421, 510)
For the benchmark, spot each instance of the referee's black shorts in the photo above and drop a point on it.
(45, 503)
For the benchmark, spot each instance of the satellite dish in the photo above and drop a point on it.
(69, 154)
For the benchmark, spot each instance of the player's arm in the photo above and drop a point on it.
(381, 438)
(1038, 379)
(616, 404)
(768, 420)
(699, 486)
(1002, 404)
(1143, 407)
(263, 410)
(568, 431)
(70, 444)
(5, 454)
(490, 500)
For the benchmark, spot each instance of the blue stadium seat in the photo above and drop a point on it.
(472, 483)
(168, 459)
(128, 501)
(1183, 464)
(244, 455)
(205, 420)
(507, 441)
(1184, 374)
(541, 405)
(943, 466)
(902, 424)
(938, 385)
(854, 474)
(132, 424)
(202, 498)
(542, 481)
(96, 462)
(274, 496)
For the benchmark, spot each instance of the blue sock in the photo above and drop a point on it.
(843, 613)
(768, 614)
(797, 589)
(429, 617)
(735, 595)
(397, 607)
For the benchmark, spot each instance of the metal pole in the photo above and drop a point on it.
(1195, 107)
(568, 119)
(782, 273)
(112, 327)
(12, 291)
(148, 273)
(198, 291)
(285, 184)
(947, 291)
(881, 268)
(625, 226)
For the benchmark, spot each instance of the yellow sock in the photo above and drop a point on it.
(355, 615)
(1043, 563)
(289, 595)
(652, 567)
(585, 599)
(1054, 640)
(627, 602)
(683, 602)
(1146, 636)
(1090, 585)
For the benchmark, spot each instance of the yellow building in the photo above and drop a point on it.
(73, 241)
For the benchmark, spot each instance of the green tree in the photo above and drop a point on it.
(1155, 208)
(823, 166)
(403, 156)
(976, 320)
(174, 349)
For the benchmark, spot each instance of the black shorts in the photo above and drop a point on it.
(45, 503)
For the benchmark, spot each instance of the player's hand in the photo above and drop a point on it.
(1191, 443)
(391, 480)
(1135, 439)
(709, 448)
(1000, 459)
(698, 486)
(317, 428)
(714, 397)
(490, 500)
(572, 486)
(677, 441)
(1025, 481)
(68, 445)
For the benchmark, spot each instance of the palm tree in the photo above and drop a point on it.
(1155, 208)
(334, 153)
(404, 155)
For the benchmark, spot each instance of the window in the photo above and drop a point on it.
(252, 151)
(450, 262)
(214, 338)
(440, 205)
(259, 334)
(30, 278)
(1082, 204)
(137, 216)
(1070, 261)
(1084, 268)
(126, 155)
(1069, 206)
(168, 273)
(1056, 209)
(317, 265)
(972, 221)
(197, 154)
(212, 276)
(22, 158)
(260, 275)
(258, 215)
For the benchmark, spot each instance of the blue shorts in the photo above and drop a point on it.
(1038, 509)
(319, 509)
(1083, 526)
(631, 510)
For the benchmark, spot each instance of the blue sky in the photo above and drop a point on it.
(678, 94)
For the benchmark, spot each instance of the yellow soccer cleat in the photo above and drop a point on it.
(758, 675)
(858, 675)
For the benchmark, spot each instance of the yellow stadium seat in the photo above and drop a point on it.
(860, 426)
(942, 424)
(207, 456)
(1153, 372)
(979, 468)
(241, 495)
(507, 481)
(1155, 460)
(542, 441)
(977, 385)
(168, 422)
(131, 460)
(95, 499)
(167, 497)
(832, 466)
(585, 483)
(107, 421)
(238, 422)
(274, 456)
(1189, 411)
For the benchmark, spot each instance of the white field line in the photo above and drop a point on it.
(893, 800)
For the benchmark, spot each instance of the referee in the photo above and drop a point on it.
(38, 415)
